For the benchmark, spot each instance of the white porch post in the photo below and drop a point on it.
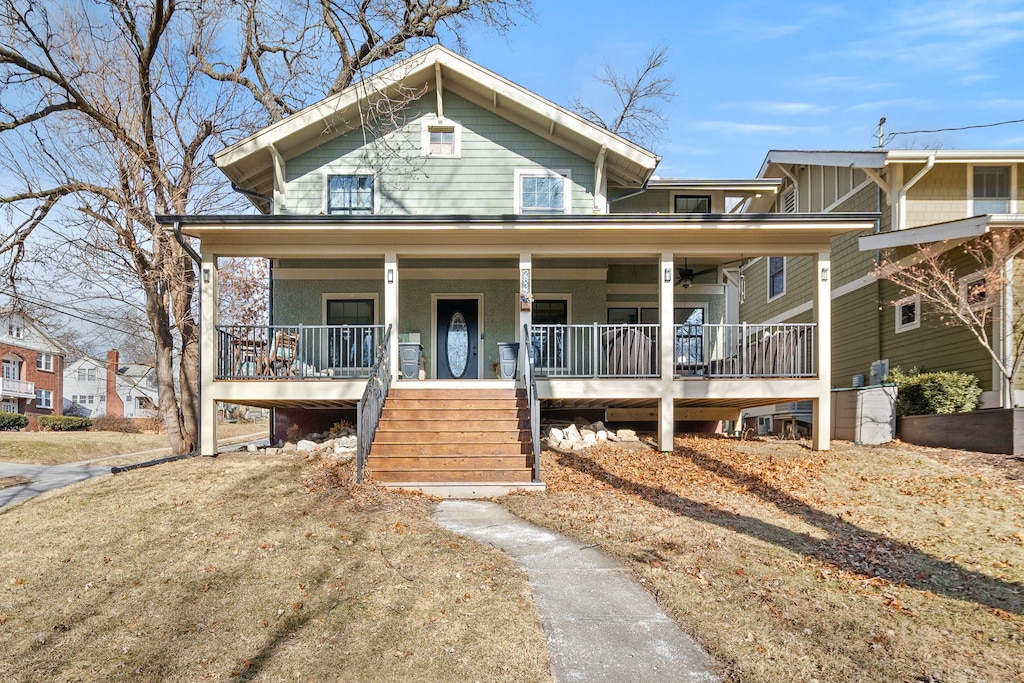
(208, 353)
(391, 307)
(823, 337)
(525, 316)
(666, 348)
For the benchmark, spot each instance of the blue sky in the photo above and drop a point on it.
(753, 76)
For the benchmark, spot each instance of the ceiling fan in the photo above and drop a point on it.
(686, 275)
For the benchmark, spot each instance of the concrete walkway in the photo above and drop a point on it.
(44, 478)
(601, 624)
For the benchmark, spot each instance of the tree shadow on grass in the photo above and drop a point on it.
(848, 547)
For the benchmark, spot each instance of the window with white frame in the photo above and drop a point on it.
(974, 291)
(9, 405)
(44, 361)
(350, 194)
(86, 374)
(15, 331)
(440, 138)
(908, 314)
(776, 276)
(44, 398)
(542, 192)
(991, 189)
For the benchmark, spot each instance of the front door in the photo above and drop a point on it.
(458, 338)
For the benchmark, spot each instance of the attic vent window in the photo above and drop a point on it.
(789, 201)
(441, 139)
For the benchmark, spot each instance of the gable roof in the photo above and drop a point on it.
(880, 158)
(249, 163)
(51, 344)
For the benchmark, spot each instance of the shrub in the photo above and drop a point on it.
(109, 423)
(12, 422)
(64, 423)
(933, 393)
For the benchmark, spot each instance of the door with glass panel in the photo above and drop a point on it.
(350, 346)
(458, 338)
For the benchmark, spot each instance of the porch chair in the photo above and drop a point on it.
(283, 354)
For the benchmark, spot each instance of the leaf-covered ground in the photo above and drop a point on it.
(865, 564)
(254, 568)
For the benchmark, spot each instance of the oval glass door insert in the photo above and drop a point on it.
(458, 345)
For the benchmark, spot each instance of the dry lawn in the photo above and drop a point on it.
(58, 448)
(865, 564)
(254, 568)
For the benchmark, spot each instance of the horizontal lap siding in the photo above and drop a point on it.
(480, 182)
(855, 336)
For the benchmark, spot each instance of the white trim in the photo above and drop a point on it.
(411, 273)
(428, 124)
(434, 298)
(964, 282)
(939, 232)
(564, 173)
(44, 399)
(637, 288)
(44, 367)
(768, 281)
(339, 168)
(324, 298)
(898, 308)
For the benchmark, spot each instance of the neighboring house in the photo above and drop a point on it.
(489, 215)
(33, 363)
(94, 388)
(935, 197)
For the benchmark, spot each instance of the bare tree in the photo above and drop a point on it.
(975, 302)
(111, 107)
(640, 95)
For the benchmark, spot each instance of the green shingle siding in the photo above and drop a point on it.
(480, 182)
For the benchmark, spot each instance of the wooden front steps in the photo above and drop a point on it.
(474, 440)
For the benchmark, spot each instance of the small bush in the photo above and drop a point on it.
(934, 393)
(12, 422)
(64, 423)
(109, 423)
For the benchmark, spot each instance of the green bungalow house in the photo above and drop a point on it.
(934, 197)
(408, 261)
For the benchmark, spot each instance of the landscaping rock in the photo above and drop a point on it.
(306, 446)
(252, 448)
(288, 447)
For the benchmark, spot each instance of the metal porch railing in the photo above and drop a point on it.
(371, 405)
(297, 351)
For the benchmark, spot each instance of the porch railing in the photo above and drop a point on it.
(745, 351)
(595, 350)
(297, 351)
(17, 387)
(371, 405)
(533, 401)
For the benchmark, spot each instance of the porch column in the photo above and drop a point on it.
(823, 352)
(208, 354)
(391, 308)
(525, 312)
(666, 347)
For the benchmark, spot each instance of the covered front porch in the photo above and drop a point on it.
(608, 308)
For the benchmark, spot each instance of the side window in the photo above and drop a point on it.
(542, 192)
(991, 189)
(690, 204)
(776, 276)
(908, 314)
(350, 194)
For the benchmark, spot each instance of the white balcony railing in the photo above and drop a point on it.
(17, 388)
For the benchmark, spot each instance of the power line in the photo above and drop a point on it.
(40, 304)
(890, 136)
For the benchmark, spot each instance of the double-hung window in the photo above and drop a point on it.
(991, 189)
(350, 194)
(44, 398)
(542, 192)
(44, 361)
(776, 276)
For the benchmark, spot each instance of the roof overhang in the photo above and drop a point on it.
(957, 230)
(851, 159)
(738, 186)
(735, 235)
(249, 163)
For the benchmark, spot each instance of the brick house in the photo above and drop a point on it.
(33, 368)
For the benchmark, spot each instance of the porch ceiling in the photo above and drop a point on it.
(309, 404)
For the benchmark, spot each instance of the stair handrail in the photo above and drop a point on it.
(533, 401)
(371, 405)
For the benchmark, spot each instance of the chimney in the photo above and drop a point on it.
(115, 407)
